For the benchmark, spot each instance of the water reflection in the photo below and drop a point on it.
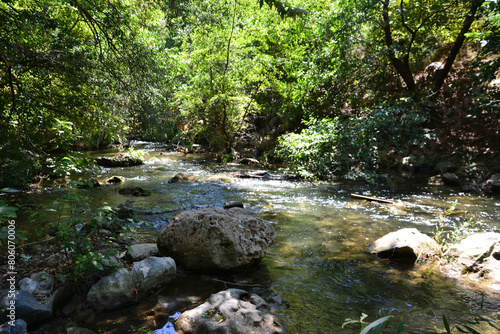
(318, 263)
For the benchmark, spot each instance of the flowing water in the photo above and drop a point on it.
(318, 263)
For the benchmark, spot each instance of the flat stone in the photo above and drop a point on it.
(405, 245)
(139, 252)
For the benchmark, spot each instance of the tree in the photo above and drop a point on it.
(410, 26)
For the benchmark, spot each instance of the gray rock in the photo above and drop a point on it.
(27, 308)
(20, 327)
(139, 252)
(39, 283)
(478, 256)
(78, 330)
(128, 286)
(493, 183)
(121, 160)
(451, 179)
(232, 311)
(407, 244)
(214, 238)
(182, 177)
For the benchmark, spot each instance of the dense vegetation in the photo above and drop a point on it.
(342, 87)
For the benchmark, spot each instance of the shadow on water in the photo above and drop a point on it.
(318, 263)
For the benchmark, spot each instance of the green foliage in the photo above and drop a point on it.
(137, 154)
(71, 163)
(452, 231)
(8, 215)
(18, 164)
(352, 148)
(78, 231)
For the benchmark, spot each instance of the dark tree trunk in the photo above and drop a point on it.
(469, 19)
(401, 66)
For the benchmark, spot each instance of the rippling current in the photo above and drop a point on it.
(318, 263)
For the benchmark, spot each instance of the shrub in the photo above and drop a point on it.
(351, 148)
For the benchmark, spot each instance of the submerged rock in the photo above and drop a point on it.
(407, 244)
(134, 191)
(233, 311)
(128, 286)
(214, 238)
(124, 210)
(182, 177)
(264, 175)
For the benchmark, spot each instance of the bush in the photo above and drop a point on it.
(352, 148)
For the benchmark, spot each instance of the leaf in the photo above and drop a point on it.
(7, 211)
(376, 323)
(471, 330)
(446, 325)
(400, 327)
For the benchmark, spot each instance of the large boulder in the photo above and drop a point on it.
(407, 245)
(214, 238)
(233, 311)
(16, 327)
(26, 307)
(127, 286)
(121, 160)
(478, 257)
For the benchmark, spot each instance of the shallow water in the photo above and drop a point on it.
(319, 262)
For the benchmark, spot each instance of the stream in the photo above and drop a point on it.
(318, 263)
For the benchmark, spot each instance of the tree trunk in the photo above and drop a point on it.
(469, 19)
(402, 67)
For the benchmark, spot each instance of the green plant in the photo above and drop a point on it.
(137, 154)
(353, 148)
(79, 231)
(10, 235)
(466, 323)
(454, 231)
(71, 163)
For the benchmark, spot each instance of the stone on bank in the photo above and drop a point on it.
(129, 286)
(232, 311)
(407, 244)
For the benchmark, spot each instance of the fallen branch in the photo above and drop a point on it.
(372, 199)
